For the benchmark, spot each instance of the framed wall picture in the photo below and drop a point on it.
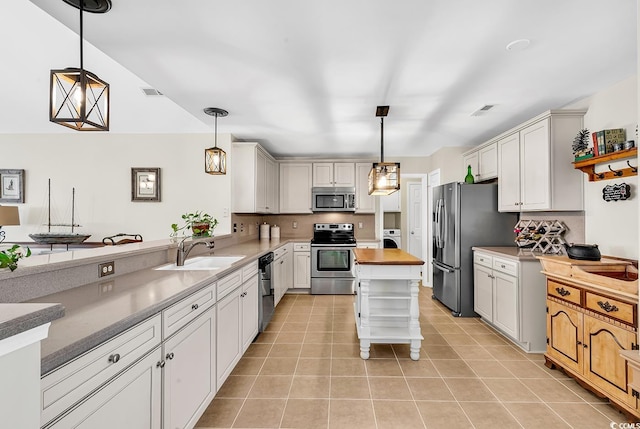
(12, 183)
(145, 184)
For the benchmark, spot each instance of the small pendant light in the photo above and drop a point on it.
(79, 99)
(384, 177)
(215, 159)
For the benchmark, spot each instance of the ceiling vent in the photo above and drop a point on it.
(484, 109)
(151, 91)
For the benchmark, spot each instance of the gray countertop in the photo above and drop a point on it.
(96, 312)
(511, 252)
(18, 318)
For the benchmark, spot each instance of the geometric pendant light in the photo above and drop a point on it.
(79, 99)
(215, 159)
(384, 177)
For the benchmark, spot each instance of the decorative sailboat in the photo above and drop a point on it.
(52, 238)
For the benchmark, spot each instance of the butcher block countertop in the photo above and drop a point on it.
(385, 257)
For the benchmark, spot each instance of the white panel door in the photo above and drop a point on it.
(365, 203)
(488, 162)
(295, 188)
(415, 219)
(344, 174)
(229, 346)
(302, 270)
(470, 160)
(322, 174)
(509, 173)
(483, 291)
(249, 311)
(505, 304)
(535, 167)
(261, 182)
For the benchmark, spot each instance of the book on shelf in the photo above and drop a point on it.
(594, 137)
(601, 146)
(612, 136)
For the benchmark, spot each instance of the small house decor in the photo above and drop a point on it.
(581, 145)
(619, 192)
(201, 224)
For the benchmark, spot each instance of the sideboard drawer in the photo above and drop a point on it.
(610, 307)
(229, 283)
(482, 259)
(184, 311)
(562, 291)
(507, 267)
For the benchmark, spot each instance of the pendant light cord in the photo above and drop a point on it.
(215, 130)
(81, 10)
(382, 140)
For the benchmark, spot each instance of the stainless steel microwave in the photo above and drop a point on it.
(326, 199)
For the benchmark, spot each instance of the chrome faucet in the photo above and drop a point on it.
(182, 253)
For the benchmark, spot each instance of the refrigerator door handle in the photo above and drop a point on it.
(441, 268)
(445, 224)
(439, 237)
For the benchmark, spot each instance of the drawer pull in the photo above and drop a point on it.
(169, 356)
(562, 291)
(160, 364)
(114, 358)
(502, 265)
(607, 307)
(194, 307)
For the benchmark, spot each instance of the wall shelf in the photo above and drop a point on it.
(588, 166)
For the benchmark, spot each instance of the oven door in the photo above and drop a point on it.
(332, 261)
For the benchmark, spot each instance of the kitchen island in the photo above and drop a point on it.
(386, 301)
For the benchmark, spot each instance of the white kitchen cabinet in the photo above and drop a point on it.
(334, 174)
(483, 161)
(391, 203)
(249, 301)
(367, 244)
(130, 400)
(302, 265)
(534, 165)
(295, 187)
(229, 343)
(282, 272)
(365, 203)
(254, 177)
(189, 382)
(510, 296)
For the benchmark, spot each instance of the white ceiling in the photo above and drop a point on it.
(304, 77)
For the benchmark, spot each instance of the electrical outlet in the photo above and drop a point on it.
(106, 269)
(360, 225)
(295, 225)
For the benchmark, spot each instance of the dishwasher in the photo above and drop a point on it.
(266, 307)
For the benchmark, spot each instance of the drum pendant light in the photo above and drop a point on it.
(215, 159)
(384, 177)
(79, 99)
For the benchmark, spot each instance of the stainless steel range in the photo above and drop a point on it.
(332, 263)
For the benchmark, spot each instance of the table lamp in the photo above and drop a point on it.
(8, 216)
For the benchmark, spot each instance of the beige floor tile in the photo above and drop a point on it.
(298, 317)
(345, 351)
(279, 366)
(585, 394)
(490, 339)
(536, 416)
(505, 352)
(271, 386)
(510, 390)
(488, 415)
(459, 339)
(316, 350)
(260, 413)
(439, 414)
(418, 368)
(449, 328)
(249, 366)
(489, 369)
(306, 414)
(474, 329)
(345, 337)
(273, 326)
(389, 388)
(310, 387)
(469, 389)
(583, 416)
(220, 413)
(258, 350)
(349, 388)
(266, 337)
(381, 351)
(453, 368)
(285, 350)
(354, 367)
(433, 340)
(551, 390)
(318, 337)
(313, 366)
(290, 337)
(236, 386)
(440, 352)
(472, 352)
(320, 326)
(612, 414)
(525, 369)
(397, 414)
(383, 368)
(294, 327)
(429, 389)
(351, 414)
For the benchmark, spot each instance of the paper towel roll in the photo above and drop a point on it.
(275, 232)
(264, 231)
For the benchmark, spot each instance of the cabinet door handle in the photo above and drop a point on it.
(160, 364)
(579, 342)
(194, 307)
(502, 266)
(607, 307)
(562, 291)
(114, 358)
(169, 356)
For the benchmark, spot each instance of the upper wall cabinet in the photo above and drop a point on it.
(295, 187)
(365, 203)
(254, 179)
(483, 161)
(534, 164)
(334, 174)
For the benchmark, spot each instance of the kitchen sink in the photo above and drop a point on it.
(203, 263)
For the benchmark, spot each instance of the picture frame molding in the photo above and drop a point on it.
(141, 193)
(12, 197)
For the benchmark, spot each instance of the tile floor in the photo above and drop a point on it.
(304, 371)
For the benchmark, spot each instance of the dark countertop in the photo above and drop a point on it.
(98, 311)
(18, 318)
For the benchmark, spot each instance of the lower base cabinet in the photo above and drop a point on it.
(130, 400)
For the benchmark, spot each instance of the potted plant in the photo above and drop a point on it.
(9, 258)
(201, 224)
(580, 146)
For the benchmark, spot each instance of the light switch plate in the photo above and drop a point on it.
(106, 269)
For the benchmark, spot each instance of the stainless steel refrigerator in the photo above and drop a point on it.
(464, 215)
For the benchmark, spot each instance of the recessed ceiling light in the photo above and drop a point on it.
(518, 45)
